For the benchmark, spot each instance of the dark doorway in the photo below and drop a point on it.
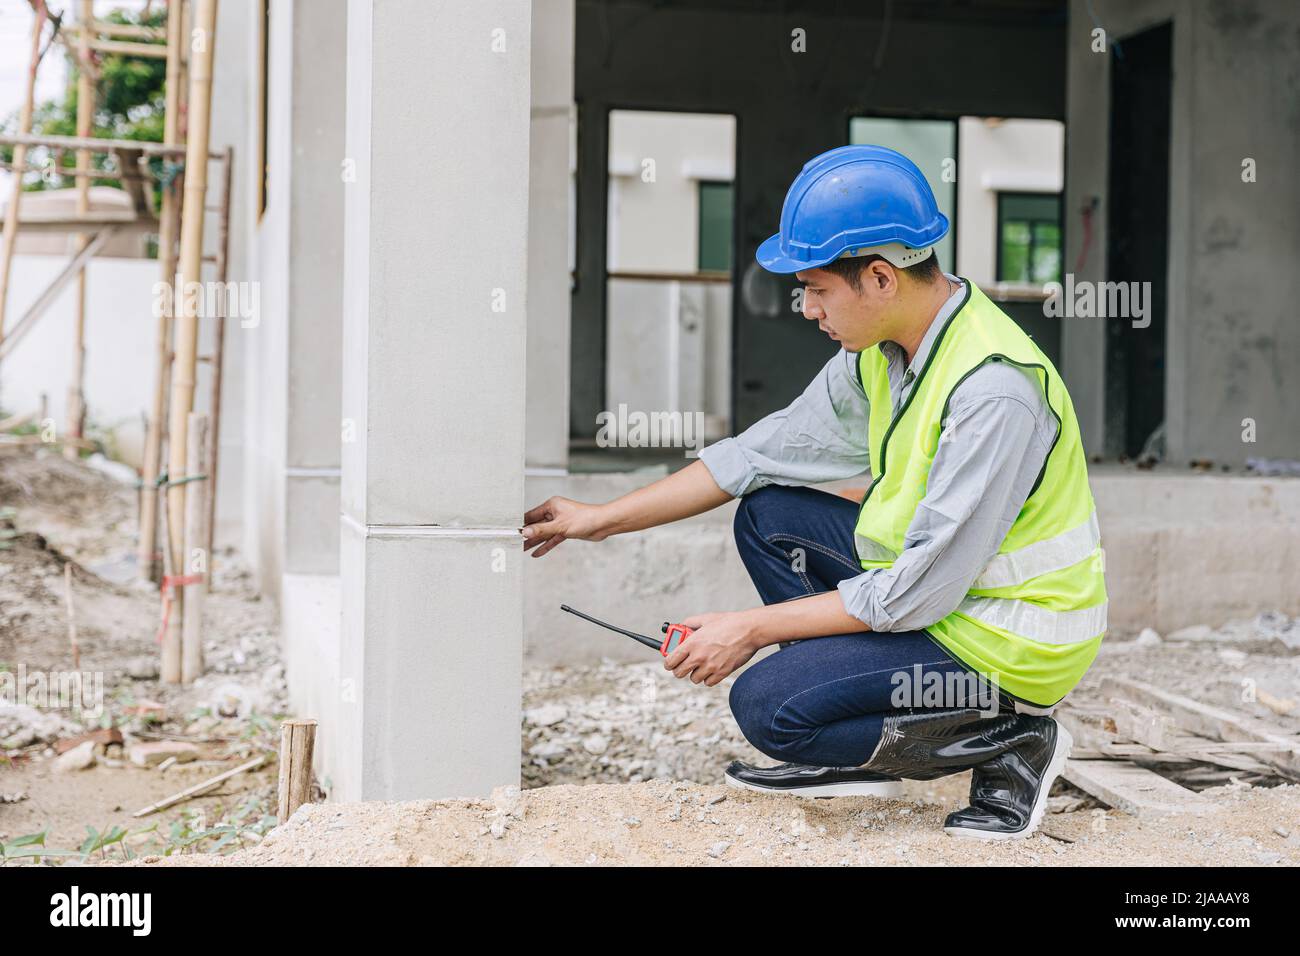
(1137, 234)
(792, 100)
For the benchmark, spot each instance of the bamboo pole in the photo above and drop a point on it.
(51, 292)
(96, 145)
(219, 351)
(128, 30)
(147, 547)
(297, 743)
(200, 788)
(72, 616)
(85, 116)
(20, 158)
(196, 541)
(189, 265)
(169, 664)
(127, 48)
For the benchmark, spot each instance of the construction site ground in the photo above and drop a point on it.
(621, 764)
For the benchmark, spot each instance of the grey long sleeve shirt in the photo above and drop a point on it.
(997, 435)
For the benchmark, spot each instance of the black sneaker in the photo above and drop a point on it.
(803, 780)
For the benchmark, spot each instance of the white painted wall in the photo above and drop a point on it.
(119, 351)
(654, 225)
(669, 343)
(1016, 155)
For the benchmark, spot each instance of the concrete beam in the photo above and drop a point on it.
(434, 292)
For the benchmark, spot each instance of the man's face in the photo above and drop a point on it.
(856, 318)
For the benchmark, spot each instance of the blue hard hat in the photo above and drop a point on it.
(848, 200)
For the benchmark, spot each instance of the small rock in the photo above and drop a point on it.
(154, 752)
(142, 668)
(719, 848)
(1197, 632)
(146, 708)
(1064, 804)
(103, 735)
(1148, 637)
(80, 757)
(508, 801)
(545, 716)
(717, 800)
(595, 744)
(1267, 858)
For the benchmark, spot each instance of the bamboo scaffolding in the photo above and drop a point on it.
(96, 145)
(128, 30)
(20, 157)
(126, 48)
(46, 298)
(147, 547)
(196, 537)
(85, 115)
(218, 353)
(190, 261)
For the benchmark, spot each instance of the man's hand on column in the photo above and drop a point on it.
(679, 495)
(558, 518)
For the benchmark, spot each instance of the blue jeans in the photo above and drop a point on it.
(821, 701)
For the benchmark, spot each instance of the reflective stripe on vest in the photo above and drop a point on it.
(1014, 567)
(1035, 621)
(1051, 554)
(869, 549)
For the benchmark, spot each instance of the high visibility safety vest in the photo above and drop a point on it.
(1036, 614)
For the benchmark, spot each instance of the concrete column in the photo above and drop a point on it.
(293, 386)
(434, 291)
(316, 186)
(550, 169)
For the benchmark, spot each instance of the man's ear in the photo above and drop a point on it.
(882, 276)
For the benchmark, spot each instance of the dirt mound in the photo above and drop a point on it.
(112, 621)
(665, 823)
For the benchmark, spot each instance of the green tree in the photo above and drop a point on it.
(129, 104)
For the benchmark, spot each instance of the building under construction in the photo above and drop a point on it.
(460, 237)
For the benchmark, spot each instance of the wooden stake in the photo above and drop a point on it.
(297, 744)
(85, 115)
(169, 665)
(20, 158)
(190, 261)
(72, 616)
(196, 543)
(147, 547)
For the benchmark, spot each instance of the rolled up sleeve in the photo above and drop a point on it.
(993, 447)
(820, 436)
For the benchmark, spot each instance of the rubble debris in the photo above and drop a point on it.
(80, 757)
(154, 753)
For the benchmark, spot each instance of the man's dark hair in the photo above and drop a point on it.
(850, 269)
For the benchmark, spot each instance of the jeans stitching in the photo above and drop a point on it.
(772, 539)
(771, 728)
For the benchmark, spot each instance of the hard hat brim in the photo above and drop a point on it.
(771, 258)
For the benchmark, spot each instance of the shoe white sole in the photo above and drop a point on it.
(885, 788)
(1054, 768)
